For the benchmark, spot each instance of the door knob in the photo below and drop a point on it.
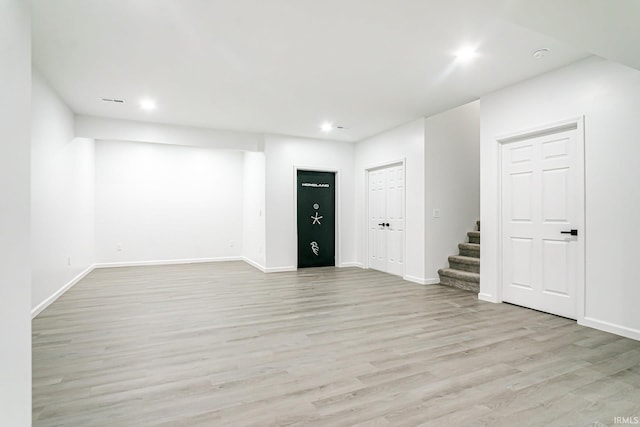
(386, 224)
(573, 232)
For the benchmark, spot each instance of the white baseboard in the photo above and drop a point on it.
(420, 280)
(166, 262)
(487, 297)
(254, 264)
(624, 331)
(351, 264)
(280, 269)
(47, 302)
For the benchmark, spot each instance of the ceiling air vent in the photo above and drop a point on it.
(118, 101)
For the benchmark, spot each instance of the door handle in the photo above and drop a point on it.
(381, 225)
(573, 232)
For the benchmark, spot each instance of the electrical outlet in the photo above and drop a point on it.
(69, 261)
(119, 247)
(436, 213)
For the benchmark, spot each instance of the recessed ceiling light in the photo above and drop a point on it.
(541, 53)
(466, 53)
(326, 127)
(148, 104)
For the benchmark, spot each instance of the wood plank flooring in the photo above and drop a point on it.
(222, 344)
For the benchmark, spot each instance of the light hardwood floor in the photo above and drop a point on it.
(222, 344)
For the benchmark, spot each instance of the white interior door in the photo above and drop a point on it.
(377, 219)
(386, 219)
(541, 202)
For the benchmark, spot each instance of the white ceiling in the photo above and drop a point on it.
(285, 66)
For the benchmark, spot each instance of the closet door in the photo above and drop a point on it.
(377, 218)
(542, 208)
(386, 219)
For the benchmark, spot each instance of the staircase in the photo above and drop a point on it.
(464, 268)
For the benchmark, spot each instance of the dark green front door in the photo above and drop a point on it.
(316, 219)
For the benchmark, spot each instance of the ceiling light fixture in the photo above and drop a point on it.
(466, 53)
(326, 127)
(148, 104)
(541, 53)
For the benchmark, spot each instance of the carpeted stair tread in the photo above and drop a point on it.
(474, 236)
(470, 246)
(464, 259)
(469, 249)
(464, 263)
(460, 275)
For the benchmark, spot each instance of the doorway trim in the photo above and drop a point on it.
(365, 227)
(577, 124)
(338, 208)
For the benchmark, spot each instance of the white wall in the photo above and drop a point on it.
(157, 202)
(608, 95)
(253, 227)
(283, 153)
(62, 202)
(15, 288)
(452, 176)
(402, 143)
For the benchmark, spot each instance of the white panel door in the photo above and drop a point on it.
(541, 202)
(377, 218)
(386, 219)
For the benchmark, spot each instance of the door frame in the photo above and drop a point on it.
(338, 207)
(367, 171)
(574, 123)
